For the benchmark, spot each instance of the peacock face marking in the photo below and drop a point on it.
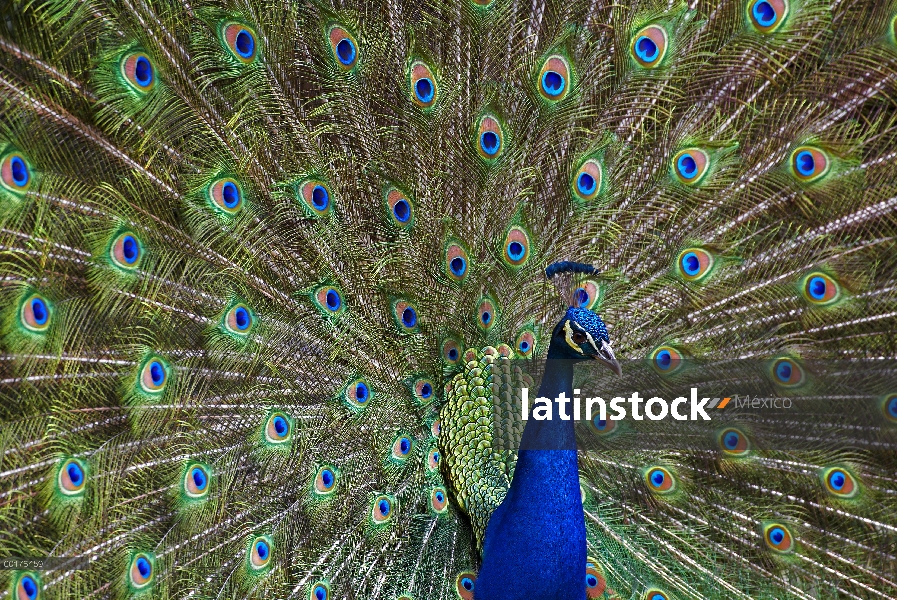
(581, 335)
(27, 587)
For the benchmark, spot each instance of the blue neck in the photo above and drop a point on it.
(535, 544)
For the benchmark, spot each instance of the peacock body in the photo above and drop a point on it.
(270, 271)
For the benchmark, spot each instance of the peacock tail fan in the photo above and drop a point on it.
(262, 264)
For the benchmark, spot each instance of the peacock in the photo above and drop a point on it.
(276, 276)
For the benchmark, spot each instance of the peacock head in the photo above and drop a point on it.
(582, 335)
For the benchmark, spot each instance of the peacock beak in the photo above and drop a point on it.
(606, 356)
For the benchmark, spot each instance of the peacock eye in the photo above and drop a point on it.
(579, 337)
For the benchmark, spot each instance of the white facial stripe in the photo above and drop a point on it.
(568, 331)
(591, 341)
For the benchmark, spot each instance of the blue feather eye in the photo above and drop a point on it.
(383, 509)
(142, 570)
(260, 553)
(554, 78)
(820, 289)
(438, 500)
(595, 581)
(278, 428)
(655, 595)
(690, 165)
(226, 196)
(401, 447)
(424, 90)
(196, 481)
(319, 591)
(238, 320)
(659, 480)
(694, 264)
(666, 359)
(526, 343)
(240, 40)
(433, 459)
(787, 373)
(649, 46)
(15, 173)
(486, 316)
(733, 442)
(424, 391)
(125, 251)
(490, 138)
(316, 197)
(325, 481)
(767, 15)
(405, 315)
(72, 477)
(603, 426)
(516, 247)
(27, 587)
(839, 482)
(808, 164)
(464, 585)
(456, 262)
(154, 376)
(401, 210)
(890, 407)
(329, 299)
(344, 47)
(587, 295)
(358, 393)
(35, 315)
(137, 69)
(451, 351)
(778, 537)
(587, 180)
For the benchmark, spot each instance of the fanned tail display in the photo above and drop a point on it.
(270, 269)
